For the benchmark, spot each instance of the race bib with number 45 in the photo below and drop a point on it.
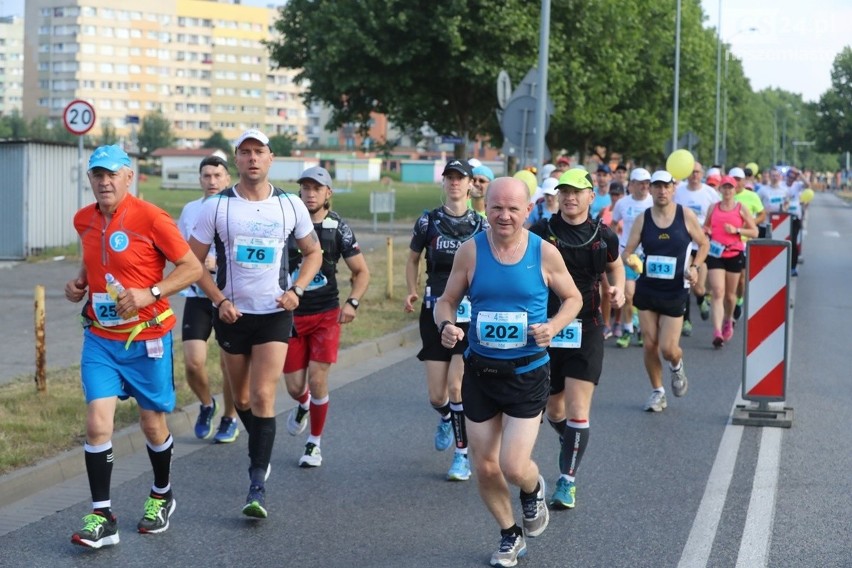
(569, 337)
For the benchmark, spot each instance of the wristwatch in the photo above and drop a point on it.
(300, 292)
(353, 302)
(155, 291)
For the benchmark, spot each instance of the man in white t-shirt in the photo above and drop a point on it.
(248, 225)
(626, 210)
(774, 198)
(696, 195)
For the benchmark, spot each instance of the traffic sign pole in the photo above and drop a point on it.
(78, 118)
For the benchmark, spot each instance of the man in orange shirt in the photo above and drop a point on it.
(127, 341)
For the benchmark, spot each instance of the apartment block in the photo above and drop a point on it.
(11, 64)
(201, 63)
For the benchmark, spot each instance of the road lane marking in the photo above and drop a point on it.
(757, 533)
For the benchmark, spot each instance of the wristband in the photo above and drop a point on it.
(695, 266)
(219, 305)
(442, 325)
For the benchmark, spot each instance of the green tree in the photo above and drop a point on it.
(218, 141)
(13, 126)
(282, 145)
(154, 132)
(413, 62)
(833, 127)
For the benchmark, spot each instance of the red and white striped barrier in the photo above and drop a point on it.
(779, 226)
(767, 324)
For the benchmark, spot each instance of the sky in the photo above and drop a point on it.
(793, 46)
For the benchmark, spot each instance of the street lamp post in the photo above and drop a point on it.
(718, 83)
(676, 79)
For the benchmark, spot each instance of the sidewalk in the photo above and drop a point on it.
(32, 493)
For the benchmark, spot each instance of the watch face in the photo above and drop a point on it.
(355, 303)
(156, 292)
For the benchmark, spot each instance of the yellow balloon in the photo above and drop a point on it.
(807, 196)
(755, 169)
(680, 163)
(528, 178)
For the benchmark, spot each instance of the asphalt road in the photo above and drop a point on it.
(681, 488)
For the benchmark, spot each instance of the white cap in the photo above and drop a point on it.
(474, 163)
(661, 176)
(254, 134)
(640, 174)
(714, 172)
(546, 170)
(548, 186)
(737, 173)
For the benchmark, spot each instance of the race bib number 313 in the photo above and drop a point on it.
(502, 330)
(662, 267)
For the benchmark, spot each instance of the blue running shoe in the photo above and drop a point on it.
(460, 470)
(444, 435)
(228, 431)
(204, 423)
(254, 506)
(564, 496)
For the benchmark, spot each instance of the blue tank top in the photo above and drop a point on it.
(666, 255)
(505, 300)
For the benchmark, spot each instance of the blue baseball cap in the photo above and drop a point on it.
(485, 171)
(111, 158)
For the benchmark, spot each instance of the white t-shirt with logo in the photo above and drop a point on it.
(626, 210)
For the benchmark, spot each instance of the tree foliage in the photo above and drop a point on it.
(282, 145)
(833, 125)
(218, 141)
(155, 132)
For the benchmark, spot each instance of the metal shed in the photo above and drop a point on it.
(38, 196)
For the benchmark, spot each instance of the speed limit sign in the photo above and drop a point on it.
(79, 117)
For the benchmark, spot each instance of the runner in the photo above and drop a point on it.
(249, 224)
(665, 231)
(316, 322)
(726, 223)
(589, 249)
(695, 195)
(626, 211)
(127, 339)
(751, 200)
(440, 233)
(197, 322)
(507, 271)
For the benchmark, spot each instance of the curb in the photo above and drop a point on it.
(26, 481)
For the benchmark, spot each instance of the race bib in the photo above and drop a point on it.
(463, 313)
(662, 267)
(570, 337)
(793, 208)
(256, 252)
(716, 249)
(502, 330)
(316, 283)
(775, 202)
(107, 312)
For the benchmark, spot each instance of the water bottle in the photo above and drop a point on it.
(114, 288)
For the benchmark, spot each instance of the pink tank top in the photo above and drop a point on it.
(733, 244)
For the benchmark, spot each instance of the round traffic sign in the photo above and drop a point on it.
(504, 89)
(79, 117)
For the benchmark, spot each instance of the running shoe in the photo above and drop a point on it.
(460, 470)
(158, 511)
(204, 422)
(727, 330)
(297, 421)
(704, 308)
(254, 502)
(617, 331)
(718, 342)
(312, 456)
(656, 402)
(536, 513)
(738, 308)
(639, 341)
(227, 432)
(512, 547)
(624, 340)
(680, 384)
(686, 330)
(607, 332)
(444, 435)
(564, 496)
(794, 272)
(97, 531)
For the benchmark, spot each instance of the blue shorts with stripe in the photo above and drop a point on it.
(107, 369)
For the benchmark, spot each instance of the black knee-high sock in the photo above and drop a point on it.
(247, 418)
(261, 439)
(559, 427)
(443, 410)
(574, 446)
(457, 415)
(99, 470)
(161, 461)
(686, 313)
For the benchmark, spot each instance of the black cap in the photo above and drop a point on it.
(616, 188)
(457, 165)
(621, 168)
